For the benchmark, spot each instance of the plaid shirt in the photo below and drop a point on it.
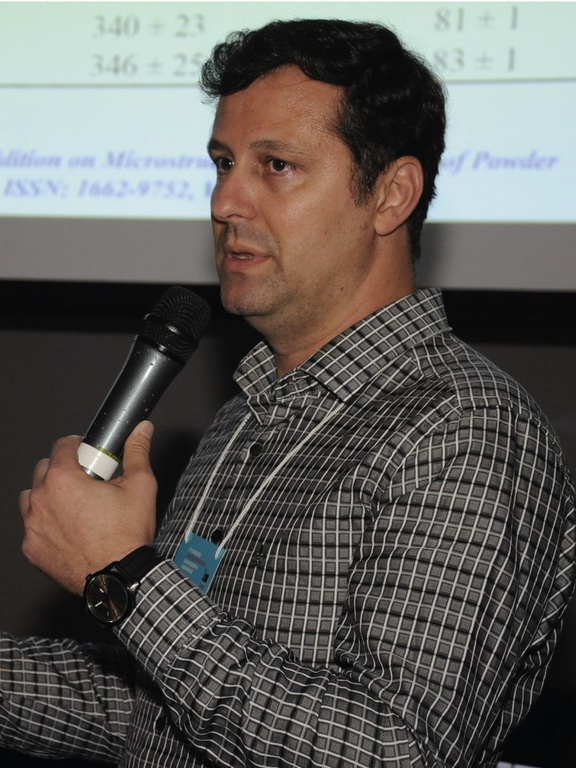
(391, 593)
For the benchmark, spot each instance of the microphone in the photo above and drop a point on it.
(169, 335)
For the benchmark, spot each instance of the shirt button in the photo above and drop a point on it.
(255, 450)
(217, 536)
(161, 723)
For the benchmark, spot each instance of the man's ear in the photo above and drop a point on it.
(399, 188)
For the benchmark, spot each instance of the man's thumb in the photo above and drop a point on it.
(137, 447)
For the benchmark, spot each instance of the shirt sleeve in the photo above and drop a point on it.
(454, 603)
(60, 699)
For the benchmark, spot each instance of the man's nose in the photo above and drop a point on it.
(234, 195)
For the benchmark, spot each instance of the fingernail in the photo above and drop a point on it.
(146, 428)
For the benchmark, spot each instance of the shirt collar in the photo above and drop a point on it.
(353, 357)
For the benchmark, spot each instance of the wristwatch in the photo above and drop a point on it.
(109, 594)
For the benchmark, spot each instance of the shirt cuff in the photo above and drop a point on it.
(170, 613)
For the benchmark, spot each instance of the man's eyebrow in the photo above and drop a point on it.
(215, 145)
(271, 145)
(277, 145)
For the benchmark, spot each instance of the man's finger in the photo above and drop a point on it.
(65, 451)
(137, 448)
(24, 502)
(39, 472)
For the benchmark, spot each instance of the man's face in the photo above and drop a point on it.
(293, 251)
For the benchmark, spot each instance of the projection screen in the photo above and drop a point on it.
(104, 174)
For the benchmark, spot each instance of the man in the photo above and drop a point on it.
(386, 520)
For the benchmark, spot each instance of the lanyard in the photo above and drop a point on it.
(257, 493)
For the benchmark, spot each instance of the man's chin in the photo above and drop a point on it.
(242, 305)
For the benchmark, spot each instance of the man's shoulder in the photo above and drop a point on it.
(475, 381)
(443, 377)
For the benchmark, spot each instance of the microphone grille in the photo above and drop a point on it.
(177, 322)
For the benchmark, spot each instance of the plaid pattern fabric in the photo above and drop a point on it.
(392, 596)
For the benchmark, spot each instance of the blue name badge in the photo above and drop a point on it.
(196, 558)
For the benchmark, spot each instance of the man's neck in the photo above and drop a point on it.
(290, 351)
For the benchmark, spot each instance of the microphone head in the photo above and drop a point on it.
(176, 323)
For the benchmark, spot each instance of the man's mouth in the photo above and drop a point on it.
(234, 255)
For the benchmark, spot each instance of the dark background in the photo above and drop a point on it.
(62, 345)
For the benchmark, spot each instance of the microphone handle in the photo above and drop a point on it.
(140, 384)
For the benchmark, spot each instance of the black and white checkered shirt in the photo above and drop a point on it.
(390, 597)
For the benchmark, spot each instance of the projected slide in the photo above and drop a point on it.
(102, 116)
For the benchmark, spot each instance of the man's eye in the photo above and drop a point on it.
(223, 163)
(279, 165)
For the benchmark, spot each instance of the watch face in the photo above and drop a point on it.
(107, 598)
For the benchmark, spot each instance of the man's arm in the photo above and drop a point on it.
(59, 699)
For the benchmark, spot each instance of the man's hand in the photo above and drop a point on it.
(75, 525)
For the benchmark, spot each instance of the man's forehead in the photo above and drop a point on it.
(277, 103)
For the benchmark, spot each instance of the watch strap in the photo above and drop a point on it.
(140, 562)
